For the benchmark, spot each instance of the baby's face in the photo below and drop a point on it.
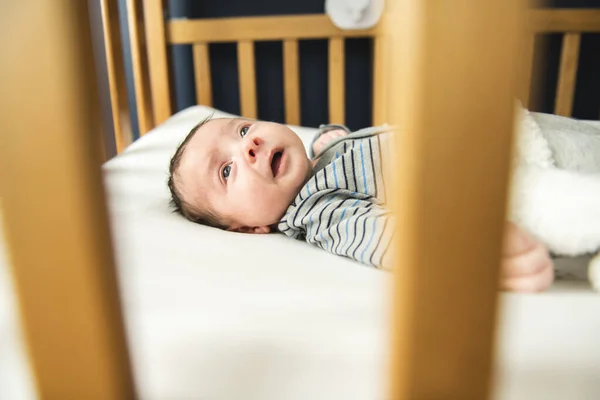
(247, 172)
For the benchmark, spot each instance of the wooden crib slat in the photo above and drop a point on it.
(247, 78)
(139, 63)
(202, 74)
(379, 81)
(336, 80)
(116, 75)
(448, 86)
(157, 59)
(527, 70)
(569, 60)
(291, 78)
(53, 208)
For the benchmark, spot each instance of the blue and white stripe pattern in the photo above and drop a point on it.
(342, 208)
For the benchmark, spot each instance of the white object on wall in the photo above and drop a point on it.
(354, 14)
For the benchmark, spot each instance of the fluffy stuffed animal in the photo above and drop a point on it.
(555, 192)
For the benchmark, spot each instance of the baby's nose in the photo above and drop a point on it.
(252, 147)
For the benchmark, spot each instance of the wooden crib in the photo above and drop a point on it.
(151, 35)
(55, 214)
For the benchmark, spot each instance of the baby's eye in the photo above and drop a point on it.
(244, 131)
(226, 171)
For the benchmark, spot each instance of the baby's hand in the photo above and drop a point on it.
(526, 265)
(326, 138)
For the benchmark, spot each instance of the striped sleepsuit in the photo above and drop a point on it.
(342, 208)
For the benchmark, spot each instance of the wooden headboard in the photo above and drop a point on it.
(200, 33)
(150, 35)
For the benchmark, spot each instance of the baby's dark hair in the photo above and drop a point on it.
(178, 204)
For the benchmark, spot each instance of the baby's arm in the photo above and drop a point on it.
(357, 228)
(526, 265)
(350, 225)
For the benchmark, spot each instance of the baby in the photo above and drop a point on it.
(255, 177)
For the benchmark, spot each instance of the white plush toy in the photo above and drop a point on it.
(555, 192)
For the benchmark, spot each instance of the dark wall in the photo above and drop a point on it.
(313, 66)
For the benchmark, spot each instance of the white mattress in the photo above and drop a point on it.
(215, 315)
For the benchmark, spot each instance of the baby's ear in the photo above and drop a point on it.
(253, 229)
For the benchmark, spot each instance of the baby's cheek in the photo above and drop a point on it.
(276, 203)
(264, 206)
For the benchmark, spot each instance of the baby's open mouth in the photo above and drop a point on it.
(276, 163)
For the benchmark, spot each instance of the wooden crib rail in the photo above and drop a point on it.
(572, 24)
(139, 60)
(569, 59)
(245, 31)
(220, 30)
(119, 107)
(200, 33)
(53, 206)
(564, 20)
(157, 60)
(150, 34)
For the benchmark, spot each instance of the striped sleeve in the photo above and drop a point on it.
(347, 225)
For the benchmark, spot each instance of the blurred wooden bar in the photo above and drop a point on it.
(452, 94)
(527, 70)
(567, 76)
(139, 63)
(158, 64)
(53, 204)
(116, 74)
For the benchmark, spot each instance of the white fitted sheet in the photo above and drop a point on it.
(218, 315)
